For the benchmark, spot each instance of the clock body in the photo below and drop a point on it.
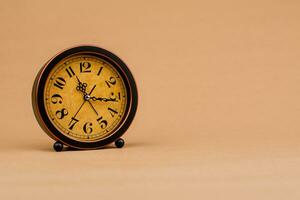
(85, 97)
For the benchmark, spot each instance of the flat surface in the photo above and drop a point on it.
(219, 100)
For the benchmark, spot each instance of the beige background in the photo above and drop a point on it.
(219, 99)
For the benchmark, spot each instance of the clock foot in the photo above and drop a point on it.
(57, 146)
(119, 143)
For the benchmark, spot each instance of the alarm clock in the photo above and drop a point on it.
(85, 98)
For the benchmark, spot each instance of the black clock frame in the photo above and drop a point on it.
(123, 70)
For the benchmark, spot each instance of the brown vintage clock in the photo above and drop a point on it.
(85, 97)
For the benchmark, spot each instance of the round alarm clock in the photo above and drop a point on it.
(85, 97)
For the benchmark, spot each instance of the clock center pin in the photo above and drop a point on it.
(87, 97)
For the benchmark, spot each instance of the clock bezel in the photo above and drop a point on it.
(39, 105)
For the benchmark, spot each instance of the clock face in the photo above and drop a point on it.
(86, 97)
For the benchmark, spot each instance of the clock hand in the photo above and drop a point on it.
(78, 79)
(93, 107)
(79, 109)
(92, 89)
(103, 99)
(112, 98)
(81, 86)
(87, 97)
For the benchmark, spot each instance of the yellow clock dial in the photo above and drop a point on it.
(85, 98)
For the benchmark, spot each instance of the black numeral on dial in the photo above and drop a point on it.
(60, 82)
(87, 128)
(85, 67)
(112, 112)
(70, 71)
(100, 70)
(56, 98)
(72, 123)
(61, 113)
(111, 81)
(102, 122)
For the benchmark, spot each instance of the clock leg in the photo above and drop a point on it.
(119, 143)
(57, 146)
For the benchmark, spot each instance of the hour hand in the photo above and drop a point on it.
(104, 99)
(81, 86)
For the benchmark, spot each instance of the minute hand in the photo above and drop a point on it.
(103, 99)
